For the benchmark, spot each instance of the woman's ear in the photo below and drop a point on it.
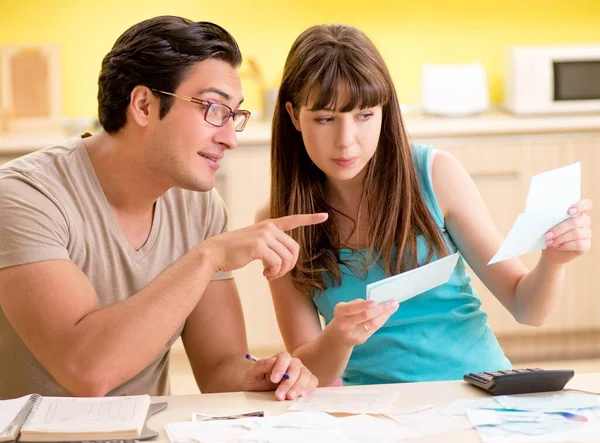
(290, 109)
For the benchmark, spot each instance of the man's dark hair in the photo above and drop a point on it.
(157, 53)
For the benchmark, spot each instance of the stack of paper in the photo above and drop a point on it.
(290, 427)
(310, 423)
(542, 417)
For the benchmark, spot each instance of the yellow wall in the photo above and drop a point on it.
(408, 33)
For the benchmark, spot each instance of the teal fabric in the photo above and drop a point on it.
(440, 334)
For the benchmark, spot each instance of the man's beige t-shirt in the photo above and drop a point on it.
(52, 207)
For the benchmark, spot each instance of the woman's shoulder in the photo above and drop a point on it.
(449, 179)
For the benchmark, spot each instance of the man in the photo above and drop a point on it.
(113, 246)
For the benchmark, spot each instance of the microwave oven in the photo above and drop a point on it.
(552, 79)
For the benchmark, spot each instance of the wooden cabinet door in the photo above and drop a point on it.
(30, 88)
(497, 170)
(577, 309)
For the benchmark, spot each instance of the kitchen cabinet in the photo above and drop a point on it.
(30, 88)
(501, 153)
(501, 166)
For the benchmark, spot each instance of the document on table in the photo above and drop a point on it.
(291, 427)
(406, 285)
(496, 426)
(550, 196)
(430, 420)
(348, 402)
(557, 402)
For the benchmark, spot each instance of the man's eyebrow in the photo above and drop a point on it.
(219, 92)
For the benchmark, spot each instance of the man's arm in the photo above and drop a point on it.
(215, 341)
(91, 350)
(215, 334)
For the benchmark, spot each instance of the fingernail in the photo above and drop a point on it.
(572, 211)
(276, 376)
(371, 304)
(393, 305)
(549, 242)
(293, 395)
(280, 395)
(549, 235)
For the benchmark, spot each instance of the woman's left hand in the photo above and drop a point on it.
(572, 237)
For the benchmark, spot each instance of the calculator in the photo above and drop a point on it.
(520, 381)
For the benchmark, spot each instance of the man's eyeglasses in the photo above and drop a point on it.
(216, 114)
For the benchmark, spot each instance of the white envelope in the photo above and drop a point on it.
(403, 286)
(550, 196)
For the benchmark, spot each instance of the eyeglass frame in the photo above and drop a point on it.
(208, 104)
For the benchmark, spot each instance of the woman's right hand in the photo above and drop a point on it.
(354, 322)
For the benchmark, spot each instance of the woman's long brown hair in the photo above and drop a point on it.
(321, 59)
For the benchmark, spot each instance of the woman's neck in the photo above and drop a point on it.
(346, 198)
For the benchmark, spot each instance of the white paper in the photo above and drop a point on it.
(348, 402)
(431, 421)
(291, 427)
(552, 402)
(373, 429)
(406, 285)
(500, 427)
(558, 188)
(459, 407)
(550, 196)
(9, 409)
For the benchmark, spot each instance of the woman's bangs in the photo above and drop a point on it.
(337, 88)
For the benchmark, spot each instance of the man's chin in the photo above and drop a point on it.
(203, 186)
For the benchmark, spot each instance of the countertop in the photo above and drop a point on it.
(418, 126)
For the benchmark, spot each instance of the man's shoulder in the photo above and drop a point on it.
(42, 162)
(54, 175)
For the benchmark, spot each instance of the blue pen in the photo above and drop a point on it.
(254, 359)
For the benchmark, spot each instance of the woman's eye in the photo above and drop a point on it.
(365, 115)
(323, 119)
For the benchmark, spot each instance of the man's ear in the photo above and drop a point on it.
(140, 102)
(290, 109)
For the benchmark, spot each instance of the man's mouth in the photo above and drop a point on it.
(212, 157)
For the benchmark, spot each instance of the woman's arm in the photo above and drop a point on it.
(325, 352)
(528, 295)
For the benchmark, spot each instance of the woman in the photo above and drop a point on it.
(339, 146)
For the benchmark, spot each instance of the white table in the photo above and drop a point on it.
(409, 394)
